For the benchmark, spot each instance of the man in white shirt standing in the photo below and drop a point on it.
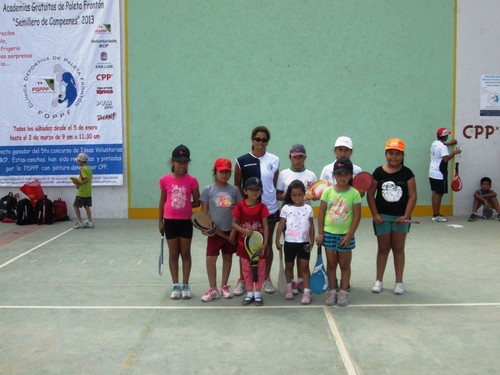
(438, 171)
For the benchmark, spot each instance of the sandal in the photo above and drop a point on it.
(247, 301)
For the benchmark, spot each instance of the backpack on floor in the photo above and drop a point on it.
(60, 210)
(44, 213)
(8, 207)
(25, 212)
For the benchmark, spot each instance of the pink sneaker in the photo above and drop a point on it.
(294, 288)
(210, 295)
(226, 292)
(306, 299)
(289, 294)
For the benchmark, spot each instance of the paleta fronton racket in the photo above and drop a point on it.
(362, 182)
(253, 246)
(160, 260)
(456, 184)
(319, 280)
(404, 221)
(487, 213)
(75, 180)
(203, 222)
(317, 189)
(281, 276)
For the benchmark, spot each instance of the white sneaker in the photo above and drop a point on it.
(439, 219)
(268, 286)
(176, 292)
(78, 225)
(185, 292)
(240, 288)
(88, 224)
(399, 289)
(377, 287)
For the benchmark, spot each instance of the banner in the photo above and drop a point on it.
(60, 91)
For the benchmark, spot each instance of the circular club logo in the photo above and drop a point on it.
(53, 86)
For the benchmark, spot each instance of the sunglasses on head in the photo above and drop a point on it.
(263, 140)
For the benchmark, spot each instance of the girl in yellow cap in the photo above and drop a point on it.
(392, 198)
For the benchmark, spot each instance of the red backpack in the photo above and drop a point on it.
(60, 210)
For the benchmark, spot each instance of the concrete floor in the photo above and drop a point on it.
(92, 302)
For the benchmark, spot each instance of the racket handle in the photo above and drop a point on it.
(255, 272)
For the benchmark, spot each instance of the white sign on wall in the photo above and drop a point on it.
(60, 82)
(490, 95)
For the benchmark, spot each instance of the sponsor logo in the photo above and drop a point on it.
(109, 116)
(104, 76)
(104, 66)
(480, 131)
(104, 90)
(53, 86)
(106, 104)
(103, 29)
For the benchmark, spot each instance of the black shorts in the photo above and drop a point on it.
(439, 186)
(83, 202)
(274, 218)
(295, 249)
(177, 228)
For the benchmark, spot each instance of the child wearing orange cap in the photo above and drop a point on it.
(219, 199)
(392, 198)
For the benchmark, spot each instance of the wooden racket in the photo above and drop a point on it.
(160, 260)
(403, 221)
(487, 213)
(75, 181)
(362, 182)
(456, 184)
(203, 222)
(281, 275)
(253, 246)
(316, 189)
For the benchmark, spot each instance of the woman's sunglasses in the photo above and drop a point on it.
(263, 140)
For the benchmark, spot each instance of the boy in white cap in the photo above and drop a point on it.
(342, 148)
(84, 194)
(438, 171)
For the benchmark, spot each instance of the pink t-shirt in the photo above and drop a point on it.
(178, 196)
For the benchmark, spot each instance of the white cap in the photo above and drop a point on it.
(82, 157)
(343, 141)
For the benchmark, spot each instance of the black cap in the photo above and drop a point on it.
(252, 183)
(181, 153)
(342, 165)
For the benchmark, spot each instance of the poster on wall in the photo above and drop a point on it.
(490, 95)
(60, 85)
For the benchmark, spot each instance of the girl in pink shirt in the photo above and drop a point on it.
(177, 189)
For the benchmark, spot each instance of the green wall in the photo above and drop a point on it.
(204, 73)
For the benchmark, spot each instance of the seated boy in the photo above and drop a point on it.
(485, 197)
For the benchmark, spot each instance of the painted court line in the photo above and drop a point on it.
(344, 353)
(124, 307)
(33, 249)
